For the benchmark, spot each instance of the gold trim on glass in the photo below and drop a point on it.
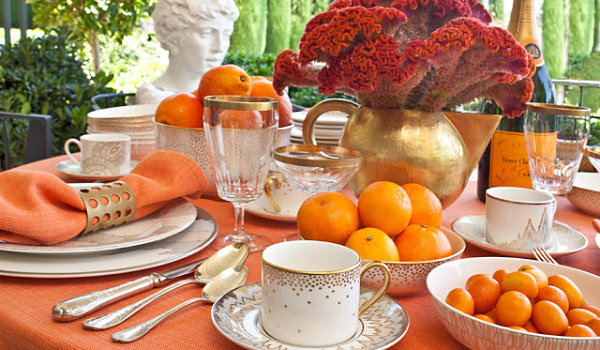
(384, 286)
(548, 108)
(328, 156)
(107, 205)
(241, 103)
(593, 152)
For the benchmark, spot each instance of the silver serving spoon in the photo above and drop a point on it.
(225, 281)
(232, 255)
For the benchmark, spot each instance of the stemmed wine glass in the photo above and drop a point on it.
(317, 168)
(240, 131)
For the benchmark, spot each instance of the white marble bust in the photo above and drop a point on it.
(196, 34)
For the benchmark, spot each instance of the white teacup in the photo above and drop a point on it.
(518, 218)
(280, 197)
(102, 154)
(311, 292)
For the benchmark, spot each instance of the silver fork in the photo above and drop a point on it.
(542, 254)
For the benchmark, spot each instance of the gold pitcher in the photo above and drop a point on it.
(438, 150)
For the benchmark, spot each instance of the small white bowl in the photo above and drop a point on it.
(409, 277)
(593, 154)
(585, 194)
(477, 334)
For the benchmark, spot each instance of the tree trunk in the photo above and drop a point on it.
(95, 46)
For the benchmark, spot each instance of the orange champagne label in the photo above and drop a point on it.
(509, 165)
(533, 47)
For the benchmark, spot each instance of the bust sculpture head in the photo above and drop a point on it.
(196, 34)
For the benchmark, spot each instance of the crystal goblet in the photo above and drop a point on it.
(240, 131)
(317, 168)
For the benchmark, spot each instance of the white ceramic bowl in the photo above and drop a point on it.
(410, 277)
(585, 194)
(593, 154)
(129, 114)
(478, 334)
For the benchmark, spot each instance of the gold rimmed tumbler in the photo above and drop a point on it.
(240, 131)
(555, 138)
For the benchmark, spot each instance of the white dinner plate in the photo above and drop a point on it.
(69, 167)
(193, 239)
(564, 240)
(331, 118)
(238, 316)
(257, 208)
(171, 219)
(598, 239)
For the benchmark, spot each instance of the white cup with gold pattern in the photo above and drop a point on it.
(102, 154)
(311, 292)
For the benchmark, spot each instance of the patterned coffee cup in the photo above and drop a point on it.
(102, 154)
(311, 292)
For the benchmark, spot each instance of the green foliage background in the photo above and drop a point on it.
(553, 36)
(45, 76)
(250, 30)
(279, 25)
(580, 40)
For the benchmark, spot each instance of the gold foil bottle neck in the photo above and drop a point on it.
(522, 25)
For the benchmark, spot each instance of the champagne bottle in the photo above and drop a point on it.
(504, 162)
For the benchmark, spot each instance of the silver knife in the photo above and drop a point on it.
(71, 309)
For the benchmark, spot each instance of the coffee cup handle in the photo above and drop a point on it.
(68, 152)
(269, 182)
(384, 286)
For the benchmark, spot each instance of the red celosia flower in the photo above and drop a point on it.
(418, 54)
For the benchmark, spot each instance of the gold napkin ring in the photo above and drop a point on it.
(107, 205)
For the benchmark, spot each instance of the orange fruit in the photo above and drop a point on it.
(485, 292)
(182, 109)
(386, 206)
(499, 275)
(264, 88)
(522, 282)
(592, 308)
(548, 318)
(420, 243)
(227, 79)
(513, 309)
(232, 119)
(580, 316)
(594, 324)
(573, 292)
(493, 314)
(518, 328)
(258, 78)
(485, 318)
(426, 206)
(474, 277)
(373, 244)
(530, 327)
(461, 300)
(555, 295)
(540, 276)
(580, 330)
(327, 216)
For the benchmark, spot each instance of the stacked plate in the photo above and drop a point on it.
(134, 120)
(328, 128)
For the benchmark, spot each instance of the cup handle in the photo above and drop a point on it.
(386, 283)
(332, 104)
(68, 152)
(270, 181)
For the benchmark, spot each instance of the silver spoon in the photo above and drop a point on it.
(225, 281)
(226, 257)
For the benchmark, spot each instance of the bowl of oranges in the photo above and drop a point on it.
(497, 302)
(398, 225)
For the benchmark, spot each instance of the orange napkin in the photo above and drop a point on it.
(37, 208)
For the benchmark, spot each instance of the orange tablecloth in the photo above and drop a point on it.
(26, 320)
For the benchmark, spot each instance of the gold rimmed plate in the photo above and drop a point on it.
(565, 239)
(238, 316)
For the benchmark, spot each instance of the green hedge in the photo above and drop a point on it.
(553, 37)
(44, 75)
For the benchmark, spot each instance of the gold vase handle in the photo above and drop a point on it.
(269, 182)
(332, 104)
(384, 286)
